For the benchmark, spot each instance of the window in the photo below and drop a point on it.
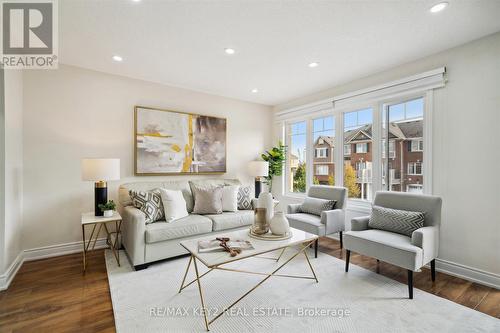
(403, 125)
(321, 152)
(296, 174)
(414, 168)
(361, 148)
(347, 150)
(416, 145)
(358, 168)
(323, 131)
(414, 188)
(321, 170)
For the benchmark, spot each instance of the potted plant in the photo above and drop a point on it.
(276, 158)
(108, 208)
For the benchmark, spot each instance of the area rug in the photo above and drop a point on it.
(358, 301)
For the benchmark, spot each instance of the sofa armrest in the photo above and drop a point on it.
(427, 238)
(292, 208)
(334, 220)
(360, 223)
(133, 234)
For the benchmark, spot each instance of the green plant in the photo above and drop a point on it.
(110, 205)
(276, 158)
(299, 178)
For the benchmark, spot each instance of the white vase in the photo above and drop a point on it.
(266, 201)
(108, 213)
(279, 224)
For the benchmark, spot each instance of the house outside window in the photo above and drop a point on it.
(417, 145)
(347, 149)
(321, 152)
(414, 188)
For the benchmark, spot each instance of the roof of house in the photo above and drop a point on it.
(401, 130)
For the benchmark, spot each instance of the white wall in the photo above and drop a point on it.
(13, 164)
(466, 148)
(73, 113)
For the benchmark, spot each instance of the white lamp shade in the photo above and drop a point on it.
(259, 168)
(100, 169)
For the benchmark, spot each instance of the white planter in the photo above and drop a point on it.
(279, 224)
(108, 213)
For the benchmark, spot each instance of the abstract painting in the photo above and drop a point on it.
(170, 142)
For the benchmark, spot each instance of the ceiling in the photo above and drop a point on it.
(181, 43)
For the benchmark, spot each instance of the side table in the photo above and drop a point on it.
(91, 219)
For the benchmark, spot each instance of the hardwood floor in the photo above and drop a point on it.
(52, 295)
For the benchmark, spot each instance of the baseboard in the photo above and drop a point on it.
(43, 253)
(7, 277)
(59, 250)
(468, 273)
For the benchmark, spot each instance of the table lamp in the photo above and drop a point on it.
(258, 169)
(100, 170)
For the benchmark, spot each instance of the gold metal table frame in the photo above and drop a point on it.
(192, 259)
(109, 241)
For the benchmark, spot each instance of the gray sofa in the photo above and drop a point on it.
(146, 243)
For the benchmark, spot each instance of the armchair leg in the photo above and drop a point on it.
(347, 255)
(340, 237)
(410, 283)
(433, 270)
(316, 248)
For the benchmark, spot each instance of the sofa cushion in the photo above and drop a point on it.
(148, 202)
(230, 220)
(244, 197)
(187, 226)
(387, 246)
(306, 222)
(207, 200)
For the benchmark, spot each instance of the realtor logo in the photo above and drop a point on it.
(29, 34)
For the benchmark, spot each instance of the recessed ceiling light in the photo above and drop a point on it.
(117, 58)
(439, 7)
(229, 50)
(313, 64)
(255, 90)
(136, 0)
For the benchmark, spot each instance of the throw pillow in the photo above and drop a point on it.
(394, 220)
(207, 200)
(315, 206)
(149, 202)
(174, 204)
(245, 198)
(230, 198)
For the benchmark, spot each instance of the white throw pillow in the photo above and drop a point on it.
(230, 198)
(174, 204)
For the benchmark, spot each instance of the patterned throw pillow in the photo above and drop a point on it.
(245, 198)
(148, 202)
(394, 220)
(315, 206)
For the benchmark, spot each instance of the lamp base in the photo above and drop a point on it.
(100, 197)
(258, 187)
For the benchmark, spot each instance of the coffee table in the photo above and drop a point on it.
(216, 260)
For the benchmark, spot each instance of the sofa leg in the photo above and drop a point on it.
(316, 248)
(340, 237)
(141, 267)
(347, 255)
(433, 270)
(410, 283)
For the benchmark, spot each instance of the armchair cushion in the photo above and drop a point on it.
(395, 220)
(307, 222)
(387, 246)
(427, 238)
(316, 206)
(360, 223)
(292, 208)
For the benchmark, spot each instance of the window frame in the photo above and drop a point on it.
(378, 106)
(415, 165)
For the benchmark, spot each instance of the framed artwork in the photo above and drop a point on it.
(172, 143)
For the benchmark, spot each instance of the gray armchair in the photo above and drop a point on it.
(408, 252)
(330, 221)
